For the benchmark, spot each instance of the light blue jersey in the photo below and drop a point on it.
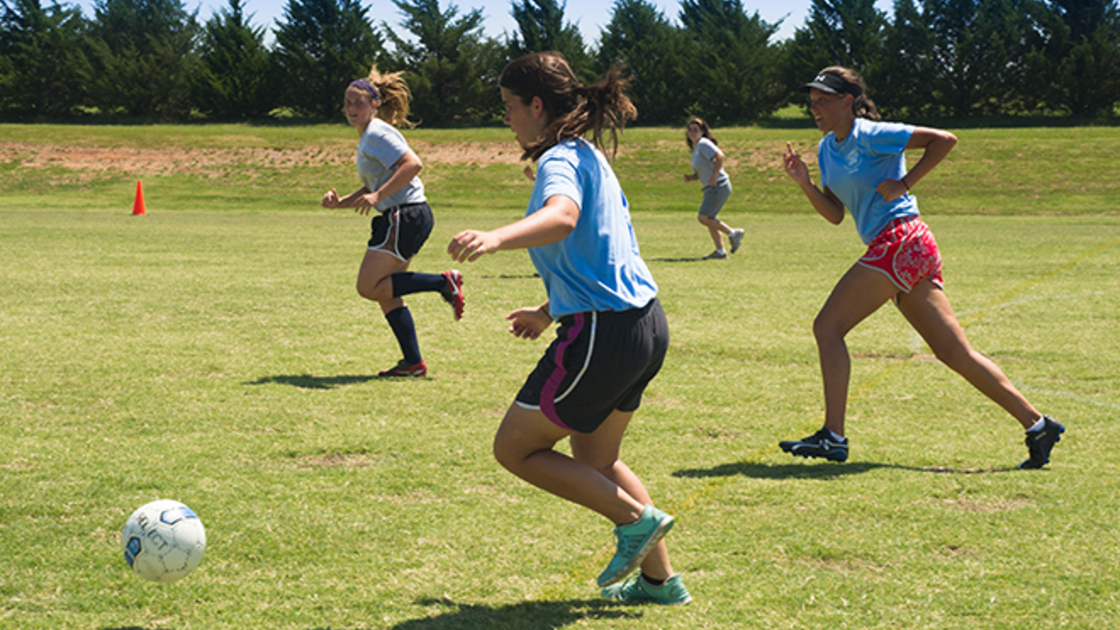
(598, 266)
(854, 167)
(379, 148)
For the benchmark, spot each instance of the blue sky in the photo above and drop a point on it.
(590, 15)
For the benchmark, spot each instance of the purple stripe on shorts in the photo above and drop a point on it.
(548, 392)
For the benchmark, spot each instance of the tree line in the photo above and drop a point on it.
(153, 59)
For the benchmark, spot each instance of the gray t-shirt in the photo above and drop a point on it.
(379, 149)
(703, 161)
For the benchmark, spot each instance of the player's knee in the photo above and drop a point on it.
(504, 453)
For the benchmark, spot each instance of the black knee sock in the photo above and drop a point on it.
(400, 320)
(407, 282)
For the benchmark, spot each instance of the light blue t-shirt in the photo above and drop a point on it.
(703, 162)
(379, 148)
(854, 167)
(598, 266)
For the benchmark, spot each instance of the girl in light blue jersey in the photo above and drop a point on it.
(612, 334)
(389, 171)
(863, 169)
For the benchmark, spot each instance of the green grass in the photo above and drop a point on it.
(215, 352)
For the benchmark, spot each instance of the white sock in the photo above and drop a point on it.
(1038, 425)
(839, 438)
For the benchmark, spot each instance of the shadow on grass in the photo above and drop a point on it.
(307, 381)
(677, 260)
(823, 470)
(522, 616)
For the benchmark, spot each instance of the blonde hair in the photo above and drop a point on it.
(574, 108)
(394, 97)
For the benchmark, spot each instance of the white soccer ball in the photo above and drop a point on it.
(163, 541)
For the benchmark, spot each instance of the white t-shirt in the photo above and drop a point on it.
(703, 161)
(379, 148)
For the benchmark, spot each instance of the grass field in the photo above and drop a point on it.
(215, 352)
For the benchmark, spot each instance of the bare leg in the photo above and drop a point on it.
(716, 229)
(523, 445)
(374, 278)
(858, 294)
(928, 310)
(600, 450)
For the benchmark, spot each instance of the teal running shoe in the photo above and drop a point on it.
(635, 541)
(636, 590)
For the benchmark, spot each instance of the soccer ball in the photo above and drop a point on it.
(163, 541)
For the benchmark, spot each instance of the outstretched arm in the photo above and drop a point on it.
(552, 223)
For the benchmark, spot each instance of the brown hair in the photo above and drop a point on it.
(704, 132)
(393, 99)
(573, 108)
(862, 105)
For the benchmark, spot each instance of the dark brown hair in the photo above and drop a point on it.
(573, 108)
(704, 132)
(862, 105)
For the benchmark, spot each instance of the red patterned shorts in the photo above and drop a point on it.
(906, 251)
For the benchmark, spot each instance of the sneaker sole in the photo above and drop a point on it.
(456, 299)
(830, 456)
(662, 528)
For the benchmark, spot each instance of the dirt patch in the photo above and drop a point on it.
(162, 161)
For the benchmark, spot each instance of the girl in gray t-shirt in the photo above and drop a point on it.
(707, 167)
(389, 171)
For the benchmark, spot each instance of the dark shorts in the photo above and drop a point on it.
(402, 230)
(599, 362)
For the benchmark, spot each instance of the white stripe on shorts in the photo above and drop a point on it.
(586, 359)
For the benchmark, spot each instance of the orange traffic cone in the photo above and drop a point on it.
(138, 209)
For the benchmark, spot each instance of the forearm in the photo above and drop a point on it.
(552, 223)
(408, 167)
(936, 144)
(823, 202)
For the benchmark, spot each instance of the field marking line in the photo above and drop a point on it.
(872, 381)
(1026, 284)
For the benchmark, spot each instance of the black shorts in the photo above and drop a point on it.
(402, 230)
(599, 362)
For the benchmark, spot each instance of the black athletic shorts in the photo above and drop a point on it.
(402, 230)
(599, 362)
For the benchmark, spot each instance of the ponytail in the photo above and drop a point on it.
(393, 98)
(573, 108)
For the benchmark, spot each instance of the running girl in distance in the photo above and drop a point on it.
(612, 335)
(402, 220)
(707, 168)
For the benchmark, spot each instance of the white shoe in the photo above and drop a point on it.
(736, 238)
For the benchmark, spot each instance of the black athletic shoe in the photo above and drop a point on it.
(1041, 442)
(819, 444)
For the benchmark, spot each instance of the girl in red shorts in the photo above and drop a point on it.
(863, 169)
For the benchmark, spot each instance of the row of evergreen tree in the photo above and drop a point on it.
(152, 59)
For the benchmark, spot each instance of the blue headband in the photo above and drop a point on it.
(367, 86)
